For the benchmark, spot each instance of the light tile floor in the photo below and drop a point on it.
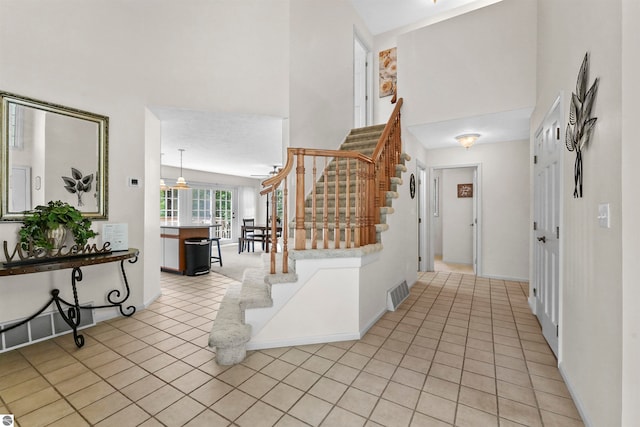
(450, 267)
(461, 351)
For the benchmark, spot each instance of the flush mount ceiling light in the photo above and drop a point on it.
(181, 184)
(468, 139)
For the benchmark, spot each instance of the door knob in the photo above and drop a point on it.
(542, 239)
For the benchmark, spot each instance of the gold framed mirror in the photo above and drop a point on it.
(51, 152)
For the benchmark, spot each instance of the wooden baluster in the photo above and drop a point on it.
(285, 227)
(272, 240)
(314, 197)
(373, 205)
(336, 208)
(362, 196)
(300, 230)
(359, 199)
(358, 202)
(347, 207)
(325, 210)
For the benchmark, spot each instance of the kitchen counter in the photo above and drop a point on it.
(172, 238)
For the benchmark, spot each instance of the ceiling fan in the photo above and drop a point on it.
(270, 174)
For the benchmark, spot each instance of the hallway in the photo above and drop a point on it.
(461, 351)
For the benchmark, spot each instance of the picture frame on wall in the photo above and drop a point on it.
(465, 190)
(388, 72)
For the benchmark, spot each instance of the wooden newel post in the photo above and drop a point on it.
(300, 230)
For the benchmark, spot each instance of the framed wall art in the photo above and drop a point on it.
(388, 72)
(465, 190)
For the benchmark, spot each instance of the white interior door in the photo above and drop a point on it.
(547, 190)
(458, 215)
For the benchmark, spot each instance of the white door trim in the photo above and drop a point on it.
(477, 232)
(422, 191)
(368, 76)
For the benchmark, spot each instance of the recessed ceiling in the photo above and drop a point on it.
(498, 127)
(233, 144)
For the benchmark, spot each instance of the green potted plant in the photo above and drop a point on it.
(40, 226)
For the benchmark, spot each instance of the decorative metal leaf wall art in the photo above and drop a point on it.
(78, 185)
(581, 124)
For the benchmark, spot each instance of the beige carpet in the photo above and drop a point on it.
(234, 263)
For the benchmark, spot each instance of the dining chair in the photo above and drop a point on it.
(249, 237)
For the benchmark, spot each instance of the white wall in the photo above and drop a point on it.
(630, 214)
(478, 63)
(457, 214)
(590, 351)
(504, 228)
(382, 106)
(118, 57)
(151, 272)
(398, 261)
(321, 73)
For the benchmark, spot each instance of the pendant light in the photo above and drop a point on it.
(181, 184)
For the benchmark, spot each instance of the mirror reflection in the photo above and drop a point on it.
(51, 152)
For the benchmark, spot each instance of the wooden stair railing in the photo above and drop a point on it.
(370, 178)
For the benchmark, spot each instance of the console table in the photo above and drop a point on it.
(71, 312)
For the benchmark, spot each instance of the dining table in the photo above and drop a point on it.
(264, 230)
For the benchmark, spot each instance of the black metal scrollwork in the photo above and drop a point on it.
(71, 312)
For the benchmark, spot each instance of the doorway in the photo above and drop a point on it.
(454, 219)
(423, 215)
(362, 111)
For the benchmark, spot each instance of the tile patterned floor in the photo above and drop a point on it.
(461, 351)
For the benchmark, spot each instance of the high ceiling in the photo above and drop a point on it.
(250, 145)
(385, 15)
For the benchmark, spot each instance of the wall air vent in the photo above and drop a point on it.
(45, 326)
(397, 295)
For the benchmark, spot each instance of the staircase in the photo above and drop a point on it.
(361, 140)
(247, 307)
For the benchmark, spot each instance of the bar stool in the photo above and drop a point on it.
(214, 258)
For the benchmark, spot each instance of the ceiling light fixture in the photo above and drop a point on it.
(468, 139)
(181, 184)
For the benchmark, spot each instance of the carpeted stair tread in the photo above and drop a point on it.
(255, 293)
(229, 333)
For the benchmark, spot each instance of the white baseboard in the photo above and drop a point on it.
(507, 278)
(576, 399)
(101, 315)
(252, 345)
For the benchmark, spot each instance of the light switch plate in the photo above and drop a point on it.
(604, 220)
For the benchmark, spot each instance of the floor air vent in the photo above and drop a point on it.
(42, 327)
(397, 295)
